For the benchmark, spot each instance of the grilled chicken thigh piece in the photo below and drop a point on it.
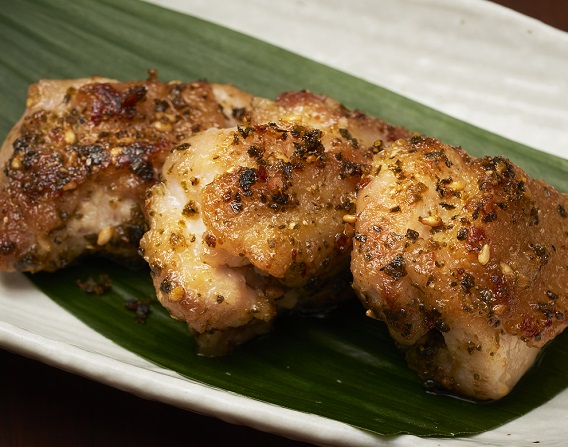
(465, 259)
(250, 220)
(76, 166)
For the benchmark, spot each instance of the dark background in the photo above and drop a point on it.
(551, 12)
(44, 406)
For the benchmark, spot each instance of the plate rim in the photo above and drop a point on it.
(94, 365)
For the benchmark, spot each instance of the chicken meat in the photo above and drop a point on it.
(76, 167)
(251, 220)
(465, 259)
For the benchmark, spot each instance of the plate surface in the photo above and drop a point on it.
(471, 59)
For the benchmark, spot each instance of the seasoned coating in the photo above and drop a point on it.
(243, 225)
(251, 220)
(465, 259)
(75, 168)
(283, 207)
(322, 112)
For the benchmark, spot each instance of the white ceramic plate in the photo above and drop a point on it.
(470, 58)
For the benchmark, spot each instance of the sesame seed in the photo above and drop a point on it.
(349, 218)
(431, 221)
(70, 136)
(104, 236)
(484, 255)
(506, 268)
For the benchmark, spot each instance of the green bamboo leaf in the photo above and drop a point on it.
(344, 366)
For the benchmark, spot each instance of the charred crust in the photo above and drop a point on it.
(101, 134)
(107, 102)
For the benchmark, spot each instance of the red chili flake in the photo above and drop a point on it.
(475, 237)
(341, 242)
(262, 173)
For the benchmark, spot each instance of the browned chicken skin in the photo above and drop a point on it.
(465, 259)
(250, 220)
(76, 167)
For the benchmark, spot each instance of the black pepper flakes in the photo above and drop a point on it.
(467, 282)
(245, 131)
(396, 269)
(490, 217)
(447, 206)
(412, 234)
(160, 105)
(246, 180)
(143, 169)
(190, 209)
(239, 112)
(166, 286)
(534, 215)
(95, 286)
(347, 135)
(462, 234)
(475, 213)
(7, 247)
(236, 206)
(255, 151)
(541, 252)
(551, 295)
(181, 147)
(141, 308)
